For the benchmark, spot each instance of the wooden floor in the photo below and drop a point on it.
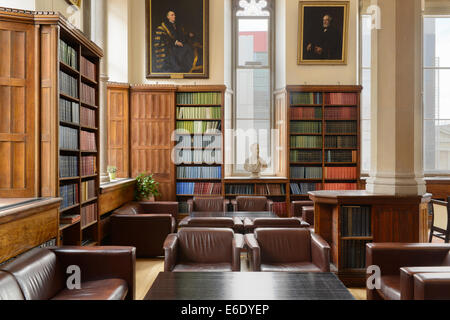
(147, 270)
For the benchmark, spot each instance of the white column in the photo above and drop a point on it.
(397, 127)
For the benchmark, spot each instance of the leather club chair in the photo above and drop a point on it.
(208, 204)
(107, 273)
(400, 263)
(213, 222)
(289, 250)
(203, 250)
(251, 224)
(251, 204)
(303, 209)
(144, 225)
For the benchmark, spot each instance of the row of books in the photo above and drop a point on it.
(200, 188)
(68, 84)
(199, 113)
(280, 209)
(87, 190)
(69, 195)
(68, 54)
(270, 189)
(184, 156)
(341, 156)
(87, 141)
(304, 113)
(306, 156)
(341, 98)
(306, 98)
(306, 172)
(304, 188)
(68, 138)
(341, 173)
(88, 165)
(69, 218)
(341, 127)
(341, 141)
(239, 189)
(199, 126)
(339, 113)
(68, 166)
(306, 127)
(87, 117)
(87, 68)
(199, 98)
(356, 222)
(306, 142)
(340, 186)
(88, 214)
(87, 94)
(354, 254)
(49, 243)
(69, 111)
(199, 172)
(198, 141)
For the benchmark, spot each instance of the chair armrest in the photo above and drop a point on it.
(432, 286)
(320, 252)
(128, 208)
(235, 205)
(174, 225)
(255, 250)
(170, 252)
(226, 202)
(190, 203)
(238, 245)
(97, 263)
(303, 223)
(269, 205)
(407, 279)
(390, 257)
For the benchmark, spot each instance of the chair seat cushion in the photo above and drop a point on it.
(390, 287)
(108, 289)
(203, 267)
(290, 267)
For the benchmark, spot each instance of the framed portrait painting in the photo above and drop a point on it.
(323, 32)
(177, 38)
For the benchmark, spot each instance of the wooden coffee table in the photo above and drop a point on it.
(247, 286)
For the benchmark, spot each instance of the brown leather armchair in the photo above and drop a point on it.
(251, 224)
(432, 286)
(400, 263)
(290, 250)
(107, 273)
(208, 204)
(307, 215)
(251, 203)
(203, 250)
(213, 222)
(143, 226)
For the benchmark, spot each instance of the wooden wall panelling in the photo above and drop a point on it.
(118, 128)
(152, 123)
(18, 70)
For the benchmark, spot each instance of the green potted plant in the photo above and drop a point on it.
(112, 170)
(146, 187)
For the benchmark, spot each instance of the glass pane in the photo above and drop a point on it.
(247, 133)
(436, 42)
(436, 94)
(437, 145)
(253, 42)
(366, 34)
(366, 94)
(253, 94)
(365, 145)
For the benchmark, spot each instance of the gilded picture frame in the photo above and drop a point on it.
(323, 32)
(177, 39)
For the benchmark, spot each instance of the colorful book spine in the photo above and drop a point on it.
(306, 142)
(68, 138)
(199, 98)
(199, 113)
(341, 173)
(198, 188)
(306, 98)
(87, 94)
(87, 141)
(69, 111)
(68, 166)
(306, 172)
(69, 195)
(68, 54)
(199, 172)
(306, 113)
(88, 214)
(87, 190)
(87, 68)
(306, 156)
(240, 189)
(306, 127)
(68, 84)
(340, 98)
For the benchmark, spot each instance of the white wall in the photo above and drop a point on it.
(19, 4)
(72, 13)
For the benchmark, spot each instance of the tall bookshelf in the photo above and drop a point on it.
(324, 138)
(78, 141)
(199, 143)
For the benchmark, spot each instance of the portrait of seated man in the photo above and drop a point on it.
(326, 42)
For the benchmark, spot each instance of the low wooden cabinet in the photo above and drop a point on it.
(348, 220)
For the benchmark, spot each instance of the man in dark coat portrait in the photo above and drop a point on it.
(175, 50)
(325, 43)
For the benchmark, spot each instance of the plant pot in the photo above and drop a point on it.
(112, 175)
(149, 199)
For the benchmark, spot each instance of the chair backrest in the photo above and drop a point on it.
(284, 245)
(296, 207)
(212, 204)
(251, 203)
(208, 222)
(277, 223)
(440, 211)
(159, 207)
(9, 288)
(205, 245)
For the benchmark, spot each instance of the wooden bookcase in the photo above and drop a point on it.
(198, 152)
(323, 138)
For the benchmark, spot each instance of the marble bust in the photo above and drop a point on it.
(255, 164)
